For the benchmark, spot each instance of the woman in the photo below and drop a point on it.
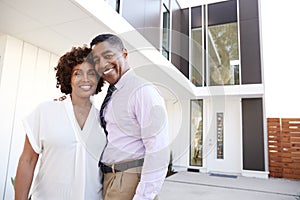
(65, 136)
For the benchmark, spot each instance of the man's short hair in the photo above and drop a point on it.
(110, 38)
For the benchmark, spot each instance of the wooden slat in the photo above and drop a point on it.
(289, 133)
(295, 156)
(295, 139)
(284, 147)
(291, 176)
(292, 171)
(292, 165)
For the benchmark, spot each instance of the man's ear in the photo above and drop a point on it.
(124, 53)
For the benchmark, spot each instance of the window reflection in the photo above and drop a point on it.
(196, 132)
(115, 4)
(223, 54)
(196, 62)
(220, 136)
(166, 32)
(214, 47)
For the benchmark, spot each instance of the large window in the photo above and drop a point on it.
(197, 61)
(222, 44)
(219, 64)
(196, 132)
(166, 32)
(197, 55)
(115, 4)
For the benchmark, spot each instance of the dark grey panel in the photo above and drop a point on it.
(250, 43)
(250, 52)
(253, 134)
(180, 40)
(249, 8)
(176, 14)
(184, 63)
(136, 16)
(176, 35)
(222, 13)
(152, 19)
(144, 15)
(196, 17)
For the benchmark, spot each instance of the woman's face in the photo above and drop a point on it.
(84, 80)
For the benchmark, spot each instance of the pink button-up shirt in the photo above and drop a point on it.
(136, 121)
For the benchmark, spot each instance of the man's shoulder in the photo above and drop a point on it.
(136, 80)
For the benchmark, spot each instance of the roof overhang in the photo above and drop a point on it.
(57, 25)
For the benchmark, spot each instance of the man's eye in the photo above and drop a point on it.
(109, 56)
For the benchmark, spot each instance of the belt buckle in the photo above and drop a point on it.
(113, 168)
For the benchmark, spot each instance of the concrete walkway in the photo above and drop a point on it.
(199, 186)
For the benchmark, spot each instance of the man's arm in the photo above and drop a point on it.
(25, 171)
(152, 117)
(153, 174)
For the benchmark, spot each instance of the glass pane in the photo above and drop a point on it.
(196, 132)
(165, 32)
(115, 4)
(196, 60)
(223, 54)
(220, 136)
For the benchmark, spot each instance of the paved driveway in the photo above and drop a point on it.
(199, 186)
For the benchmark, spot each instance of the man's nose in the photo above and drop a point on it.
(100, 67)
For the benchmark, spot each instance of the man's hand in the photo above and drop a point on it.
(60, 98)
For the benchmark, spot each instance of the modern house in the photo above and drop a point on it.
(205, 58)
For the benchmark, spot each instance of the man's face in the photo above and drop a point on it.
(110, 61)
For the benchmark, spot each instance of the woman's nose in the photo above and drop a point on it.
(85, 77)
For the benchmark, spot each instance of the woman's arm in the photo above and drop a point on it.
(25, 171)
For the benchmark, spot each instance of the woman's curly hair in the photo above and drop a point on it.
(67, 62)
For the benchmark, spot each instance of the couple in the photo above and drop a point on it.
(67, 138)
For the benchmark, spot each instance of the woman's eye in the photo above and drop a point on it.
(92, 73)
(77, 73)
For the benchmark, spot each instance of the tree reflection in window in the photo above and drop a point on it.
(223, 54)
(196, 128)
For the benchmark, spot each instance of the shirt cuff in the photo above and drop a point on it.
(148, 190)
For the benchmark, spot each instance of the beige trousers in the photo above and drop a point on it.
(121, 185)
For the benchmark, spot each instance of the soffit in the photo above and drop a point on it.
(54, 25)
(57, 25)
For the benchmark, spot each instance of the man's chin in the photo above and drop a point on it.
(110, 79)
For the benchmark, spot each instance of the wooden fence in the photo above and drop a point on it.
(284, 147)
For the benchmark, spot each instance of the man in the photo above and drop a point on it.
(135, 160)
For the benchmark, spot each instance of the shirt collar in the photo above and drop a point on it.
(124, 78)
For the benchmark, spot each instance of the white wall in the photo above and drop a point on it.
(232, 162)
(27, 78)
(280, 45)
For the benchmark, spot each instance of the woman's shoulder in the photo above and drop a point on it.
(51, 104)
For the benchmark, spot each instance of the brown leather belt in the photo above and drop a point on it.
(120, 167)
